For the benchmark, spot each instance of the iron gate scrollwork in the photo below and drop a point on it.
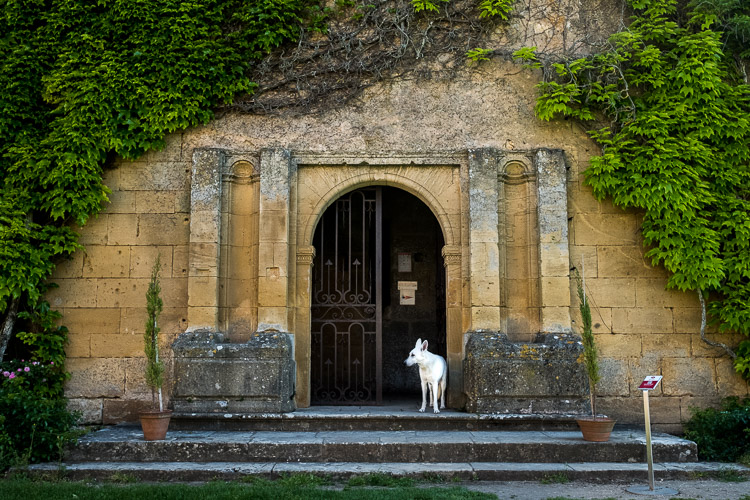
(346, 309)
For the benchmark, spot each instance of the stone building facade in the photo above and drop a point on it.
(482, 206)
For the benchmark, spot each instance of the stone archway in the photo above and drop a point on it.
(378, 284)
(436, 184)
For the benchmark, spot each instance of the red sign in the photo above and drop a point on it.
(649, 383)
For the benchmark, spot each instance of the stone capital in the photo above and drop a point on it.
(305, 255)
(451, 255)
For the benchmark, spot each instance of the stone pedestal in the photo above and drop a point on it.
(213, 376)
(545, 376)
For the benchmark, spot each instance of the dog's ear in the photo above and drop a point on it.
(419, 341)
(424, 345)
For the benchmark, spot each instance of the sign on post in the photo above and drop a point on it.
(649, 384)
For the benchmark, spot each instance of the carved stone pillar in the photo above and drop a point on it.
(453, 290)
(305, 256)
(273, 241)
(205, 227)
(484, 255)
(554, 256)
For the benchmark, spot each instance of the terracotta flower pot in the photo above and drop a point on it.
(596, 429)
(155, 424)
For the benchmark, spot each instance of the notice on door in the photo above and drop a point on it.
(404, 262)
(407, 292)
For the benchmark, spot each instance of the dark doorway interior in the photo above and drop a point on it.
(409, 227)
(376, 238)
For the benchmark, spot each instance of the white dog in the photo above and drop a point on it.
(433, 372)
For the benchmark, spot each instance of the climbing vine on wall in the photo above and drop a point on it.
(85, 82)
(669, 103)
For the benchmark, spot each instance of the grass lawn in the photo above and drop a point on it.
(293, 487)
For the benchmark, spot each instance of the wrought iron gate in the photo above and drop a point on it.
(346, 310)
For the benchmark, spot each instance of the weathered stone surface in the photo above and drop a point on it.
(541, 377)
(90, 410)
(125, 444)
(212, 375)
(95, 378)
(118, 411)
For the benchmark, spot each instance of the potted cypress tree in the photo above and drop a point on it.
(154, 422)
(596, 427)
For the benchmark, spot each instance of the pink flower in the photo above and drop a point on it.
(18, 370)
(5, 374)
(52, 362)
(12, 375)
(27, 369)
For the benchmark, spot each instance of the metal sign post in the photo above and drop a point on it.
(649, 384)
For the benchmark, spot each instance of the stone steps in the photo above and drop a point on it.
(126, 444)
(391, 439)
(332, 419)
(600, 472)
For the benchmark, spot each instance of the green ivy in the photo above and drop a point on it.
(676, 145)
(479, 54)
(85, 81)
(426, 5)
(492, 8)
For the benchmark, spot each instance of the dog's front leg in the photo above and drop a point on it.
(424, 395)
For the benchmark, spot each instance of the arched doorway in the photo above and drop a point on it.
(378, 284)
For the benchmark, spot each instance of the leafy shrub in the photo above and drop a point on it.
(35, 422)
(43, 336)
(33, 429)
(721, 434)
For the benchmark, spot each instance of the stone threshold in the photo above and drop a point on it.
(394, 415)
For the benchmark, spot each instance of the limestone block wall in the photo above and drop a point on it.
(641, 328)
(102, 288)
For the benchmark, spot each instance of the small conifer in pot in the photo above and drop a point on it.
(155, 422)
(594, 428)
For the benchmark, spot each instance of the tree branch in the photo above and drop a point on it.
(703, 329)
(8, 323)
